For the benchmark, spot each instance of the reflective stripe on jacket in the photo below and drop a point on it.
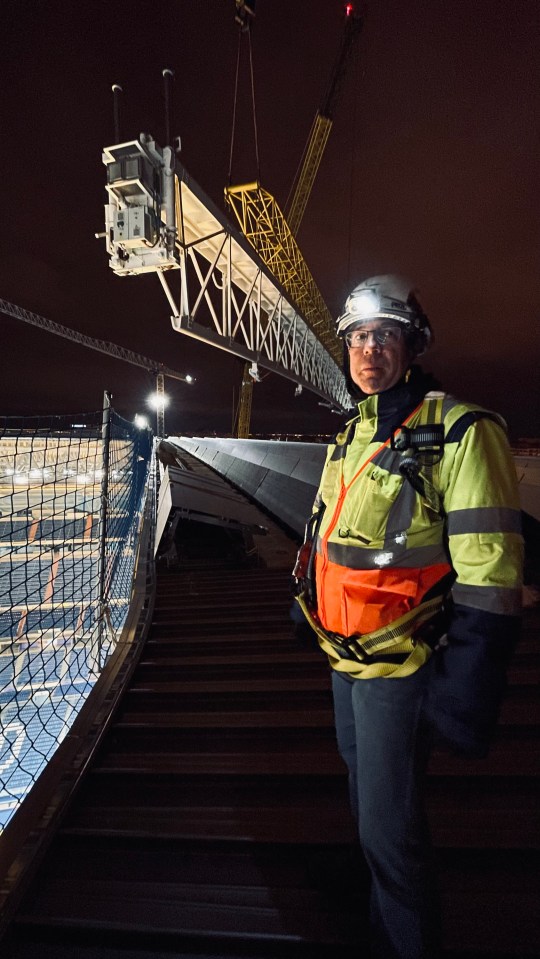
(385, 553)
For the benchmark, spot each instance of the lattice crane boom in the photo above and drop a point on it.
(322, 124)
(102, 346)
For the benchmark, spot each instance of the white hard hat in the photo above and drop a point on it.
(387, 297)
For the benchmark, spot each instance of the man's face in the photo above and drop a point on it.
(375, 367)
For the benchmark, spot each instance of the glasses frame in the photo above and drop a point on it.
(381, 336)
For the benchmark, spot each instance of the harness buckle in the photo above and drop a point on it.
(350, 647)
(427, 439)
(401, 439)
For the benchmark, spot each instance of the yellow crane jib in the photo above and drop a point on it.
(322, 124)
(316, 145)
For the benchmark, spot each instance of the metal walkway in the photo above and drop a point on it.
(214, 821)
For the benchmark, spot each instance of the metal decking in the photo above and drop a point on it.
(214, 820)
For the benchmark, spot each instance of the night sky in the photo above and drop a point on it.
(431, 170)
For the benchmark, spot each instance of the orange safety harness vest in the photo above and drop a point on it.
(375, 606)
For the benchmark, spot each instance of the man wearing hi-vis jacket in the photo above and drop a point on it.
(411, 578)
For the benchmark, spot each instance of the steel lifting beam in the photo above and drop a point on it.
(219, 290)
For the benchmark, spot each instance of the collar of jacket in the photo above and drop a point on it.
(392, 406)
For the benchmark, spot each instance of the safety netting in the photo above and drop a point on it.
(72, 492)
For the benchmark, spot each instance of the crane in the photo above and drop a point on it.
(102, 346)
(272, 234)
(322, 123)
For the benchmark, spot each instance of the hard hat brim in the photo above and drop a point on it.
(351, 321)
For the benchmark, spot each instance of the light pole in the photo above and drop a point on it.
(158, 401)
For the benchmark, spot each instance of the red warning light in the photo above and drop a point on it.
(349, 9)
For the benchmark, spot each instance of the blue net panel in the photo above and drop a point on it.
(66, 571)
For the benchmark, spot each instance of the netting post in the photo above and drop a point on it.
(105, 455)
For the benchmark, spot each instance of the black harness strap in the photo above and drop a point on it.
(423, 447)
(460, 427)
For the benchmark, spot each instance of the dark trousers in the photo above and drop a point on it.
(384, 744)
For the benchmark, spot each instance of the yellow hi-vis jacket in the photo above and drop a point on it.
(387, 554)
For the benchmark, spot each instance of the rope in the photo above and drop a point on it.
(353, 164)
(254, 110)
(233, 130)
(234, 105)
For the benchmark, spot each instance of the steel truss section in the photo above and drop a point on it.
(263, 223)
(229, 298)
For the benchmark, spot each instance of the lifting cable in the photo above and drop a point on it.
(353, 166)
(242, 31)
(234, 107)
(257, 161)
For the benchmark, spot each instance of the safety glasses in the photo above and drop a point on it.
(385, 336)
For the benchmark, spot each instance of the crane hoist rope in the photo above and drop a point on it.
(244, 31)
